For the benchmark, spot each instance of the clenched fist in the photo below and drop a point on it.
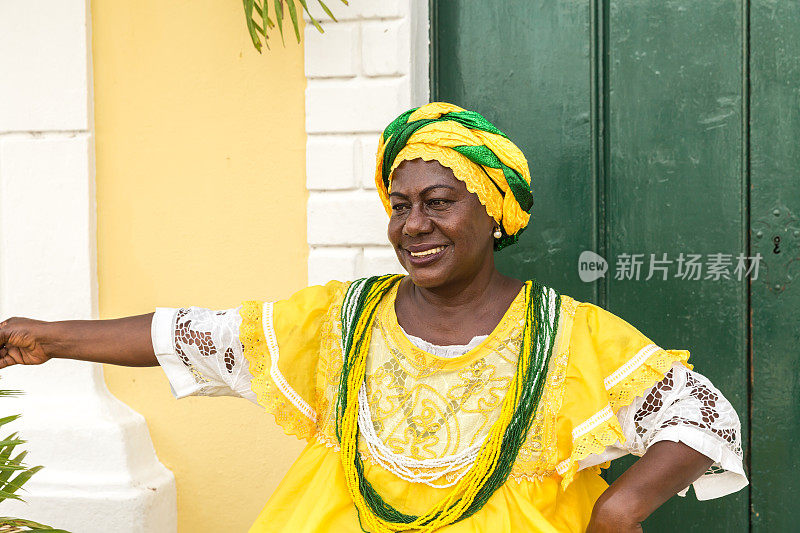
(23, 342)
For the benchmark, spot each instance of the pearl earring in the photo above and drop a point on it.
(497, 233)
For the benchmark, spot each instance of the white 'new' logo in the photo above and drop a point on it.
(591, 266)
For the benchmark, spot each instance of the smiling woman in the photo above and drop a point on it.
(433, 215)
(431, 211)
(444, 237)
(453, 399)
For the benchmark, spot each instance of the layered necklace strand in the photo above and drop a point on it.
(492, 462)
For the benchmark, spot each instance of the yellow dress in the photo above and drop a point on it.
(429, 410)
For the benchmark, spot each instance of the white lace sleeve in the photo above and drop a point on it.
(685, 407)
(200, 352)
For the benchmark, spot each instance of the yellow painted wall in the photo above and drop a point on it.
(200, 201)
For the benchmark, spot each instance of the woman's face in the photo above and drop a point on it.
(440, 231)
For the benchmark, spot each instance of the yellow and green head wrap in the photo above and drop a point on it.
(476, 151)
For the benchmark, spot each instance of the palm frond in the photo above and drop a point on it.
(313, 20)
(256, 14)
(14, 474)
(13, 525)
(293, 15)
(279, 16)
(249, 7)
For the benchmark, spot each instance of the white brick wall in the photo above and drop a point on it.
(341, 43)
(368, 9)
(366, 69)
(331, 162)
(384, 51)
(346, 218)
(357, 105)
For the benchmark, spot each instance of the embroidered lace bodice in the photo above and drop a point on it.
(201, 354)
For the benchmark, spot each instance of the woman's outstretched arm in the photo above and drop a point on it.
(122, 341)
(664, 470)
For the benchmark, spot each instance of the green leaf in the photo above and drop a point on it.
(19, 458)
(251, 29)
(5, 450)
(22, 478)
(8, 496)
(279, 17)
(264, 13)
(11, 441)
(9, 467)
(267, 22)
(328, 11)
(5, 453)
(293, 15)
(260, 30)
(270, 24)
(20, 522)
(7, 419)
(9, 521)
(313, 20)
(256, 11)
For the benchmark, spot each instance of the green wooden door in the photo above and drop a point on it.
(659, 128)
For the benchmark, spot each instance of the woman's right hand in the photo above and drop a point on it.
(120, 341)
(22, 342)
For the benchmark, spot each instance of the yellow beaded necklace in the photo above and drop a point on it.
(505, 437)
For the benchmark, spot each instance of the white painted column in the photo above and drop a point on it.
(366, 69)
(101, 473)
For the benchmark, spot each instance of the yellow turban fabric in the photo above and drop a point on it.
(476, 151)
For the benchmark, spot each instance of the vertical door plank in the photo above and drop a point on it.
(525, 65)
(775, 160)
(674, 185)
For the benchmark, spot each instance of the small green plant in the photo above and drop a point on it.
(259, 22)
(13, 474)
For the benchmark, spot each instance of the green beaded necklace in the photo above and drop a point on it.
(358, 314)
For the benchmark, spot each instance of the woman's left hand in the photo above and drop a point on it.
(666, 468)
(607, 517)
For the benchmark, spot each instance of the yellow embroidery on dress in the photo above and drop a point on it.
(251, 335)
(644, 377)
(609, 431)
(427, 408)
(424, 407)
